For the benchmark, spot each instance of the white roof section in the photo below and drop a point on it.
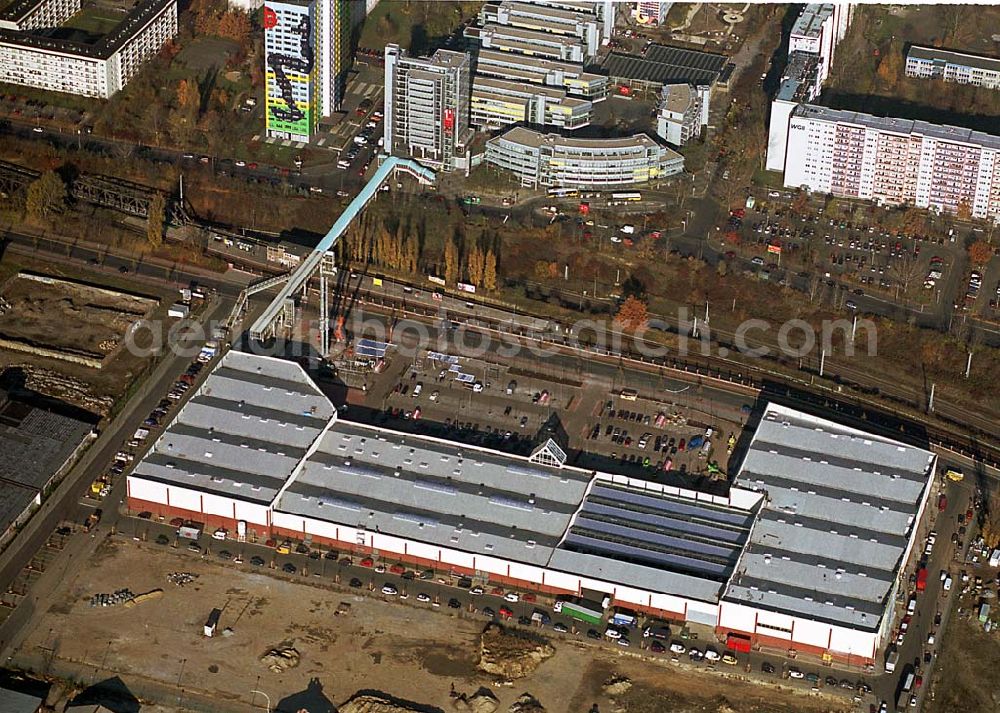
(243, 432)
(836, 519)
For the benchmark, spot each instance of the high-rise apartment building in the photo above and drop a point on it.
(307, 45)
(427, 103)
(893, 161)
(818, 30)
(812, 44)
(31, 55)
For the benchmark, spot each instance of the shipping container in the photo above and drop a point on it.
(589, 612)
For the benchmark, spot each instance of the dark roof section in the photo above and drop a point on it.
(961, 59)
(19, 9)
(667, 65)
(134, 22)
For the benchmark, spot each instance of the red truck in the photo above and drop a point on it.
(942, 502)
(922, 579)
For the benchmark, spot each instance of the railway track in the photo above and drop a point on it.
(878, 403)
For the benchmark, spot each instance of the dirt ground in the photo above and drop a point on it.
(70, 317)
(76, 318)
(391, 647)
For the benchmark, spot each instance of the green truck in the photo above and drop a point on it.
(582, 610)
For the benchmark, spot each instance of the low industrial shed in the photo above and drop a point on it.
(259, 443)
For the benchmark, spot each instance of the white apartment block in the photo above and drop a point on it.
(551, 160)
(497, 103)
(98, 70)
(651, 12)
(427, 103)
(893, 161)
(818, 30)
(932, 63)
(25, 15)
(798, 85)
(680, 117)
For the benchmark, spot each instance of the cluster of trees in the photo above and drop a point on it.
(212, 18)
(391, 250)
(478, 266)
(395, 245)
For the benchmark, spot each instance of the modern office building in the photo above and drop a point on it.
(534, 70)
(799, 84)
(818, 30)
(806, 551)
(893, 161)
(680, 115)
(558, 161)
(933, 63)
(497, 103)
(651, 12)
(531, 43)
(427, 102)
(591, 23)
(32, 57)
(307, 54)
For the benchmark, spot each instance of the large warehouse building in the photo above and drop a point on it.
(805, 552)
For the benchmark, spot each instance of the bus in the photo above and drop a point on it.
(627, 197)
(564, 192)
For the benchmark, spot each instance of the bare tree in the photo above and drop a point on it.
(905, 270)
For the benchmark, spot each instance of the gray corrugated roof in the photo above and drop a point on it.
(244, 431)
(835, 497)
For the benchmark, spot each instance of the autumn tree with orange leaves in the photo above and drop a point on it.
(980, 253)
(632, 314)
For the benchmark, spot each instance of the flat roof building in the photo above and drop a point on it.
(682, 112)
(551, 160)
(818, 30)
(100, 69)
(799, 84)
(427, 101)
(497, 103)
(536, 70)
(893, 161)
(806, 549)
(934, 63)
(591, 24)
(662, 65)
(833, 534)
